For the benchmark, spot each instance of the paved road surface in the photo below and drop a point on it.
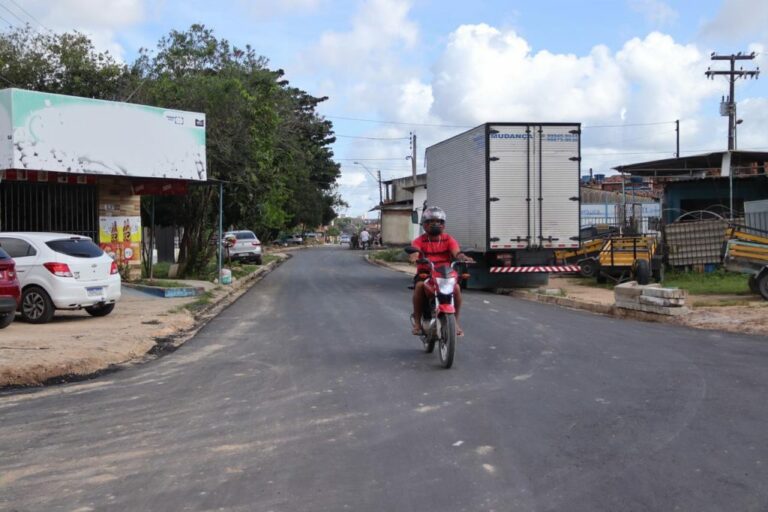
(309, 394)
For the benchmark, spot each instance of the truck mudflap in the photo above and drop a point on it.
(549, 269)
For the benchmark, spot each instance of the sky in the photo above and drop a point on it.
(625, 69)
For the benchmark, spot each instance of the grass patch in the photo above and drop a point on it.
(720, 303)
(200, 302)
(710, 283)
(390, 255)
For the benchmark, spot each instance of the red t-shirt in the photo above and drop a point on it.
(437, 251)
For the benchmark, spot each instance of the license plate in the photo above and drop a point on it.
(95, 292)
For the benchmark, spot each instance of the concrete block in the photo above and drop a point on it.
(660, 301)
(627, 290)
(665, 293)
(658, 310)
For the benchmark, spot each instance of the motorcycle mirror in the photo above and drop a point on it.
(411, 250)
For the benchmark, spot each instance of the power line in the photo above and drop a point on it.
(366, 159)
(28, 14)
(13, 14)
(371, 138)
(378, 121)
(626, 125)
(8, 22)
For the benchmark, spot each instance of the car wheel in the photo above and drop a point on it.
(100, 309)
(36, 306)
(257, 260)
(6, 319)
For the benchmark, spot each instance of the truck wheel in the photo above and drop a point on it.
(589, 267)
(762, 284)
(642, 272)
(752, 282)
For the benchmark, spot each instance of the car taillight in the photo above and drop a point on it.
(7, 271)
(58, 269)
(113, 269)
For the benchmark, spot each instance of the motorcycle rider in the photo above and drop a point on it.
(440, 248)
(365, 237)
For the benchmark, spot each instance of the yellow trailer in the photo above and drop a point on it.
(585, 256)
(746, 251)
(624, 257)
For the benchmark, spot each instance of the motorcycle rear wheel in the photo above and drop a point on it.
(429, 346)
(447, 344)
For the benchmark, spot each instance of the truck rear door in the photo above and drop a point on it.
(534, 186)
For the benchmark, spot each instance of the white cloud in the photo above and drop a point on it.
(751, 134)
(270, 8)
(739, 19)
(485, 74)
(655, 11)
(667, 78)
(99, 19)
(351, 179)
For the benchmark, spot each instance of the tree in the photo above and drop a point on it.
(60, 63)
(265, 140)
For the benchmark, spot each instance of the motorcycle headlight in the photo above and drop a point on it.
(446, 284)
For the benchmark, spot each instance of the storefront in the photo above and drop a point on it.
(76, 165)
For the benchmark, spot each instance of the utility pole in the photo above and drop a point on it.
(413, 158)
(677, 130)
(728, 106)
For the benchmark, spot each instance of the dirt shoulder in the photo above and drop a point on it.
(75, 345)
(750, 316)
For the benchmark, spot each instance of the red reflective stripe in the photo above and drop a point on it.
(548, 268)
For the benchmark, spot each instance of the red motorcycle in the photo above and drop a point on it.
(438, 322)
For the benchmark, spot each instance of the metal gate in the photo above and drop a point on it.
(49, 207)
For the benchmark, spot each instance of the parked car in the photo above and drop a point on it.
(60, 271)
(287, 240)
(10, 291)
(243, 245)
(344, 239)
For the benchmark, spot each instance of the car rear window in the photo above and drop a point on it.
(76, 247)
(245, 235)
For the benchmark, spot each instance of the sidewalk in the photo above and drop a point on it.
(75, 345)
(749, 317)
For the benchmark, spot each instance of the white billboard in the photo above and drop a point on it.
(57, 133)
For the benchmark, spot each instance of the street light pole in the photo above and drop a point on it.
(381, 200)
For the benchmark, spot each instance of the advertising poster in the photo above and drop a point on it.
(68, 134)
(120, 237)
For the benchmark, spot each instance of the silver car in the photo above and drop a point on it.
(243, 245)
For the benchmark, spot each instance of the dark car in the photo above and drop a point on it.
(287, 240)
(10, 292)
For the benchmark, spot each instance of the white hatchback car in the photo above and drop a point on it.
(60, 271)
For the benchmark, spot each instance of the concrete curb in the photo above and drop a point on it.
(593, 307)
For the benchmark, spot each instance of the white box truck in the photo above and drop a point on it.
(511, 194)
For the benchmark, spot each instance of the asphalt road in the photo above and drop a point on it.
(310, 394)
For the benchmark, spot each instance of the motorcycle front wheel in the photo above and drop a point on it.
(447, 344)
